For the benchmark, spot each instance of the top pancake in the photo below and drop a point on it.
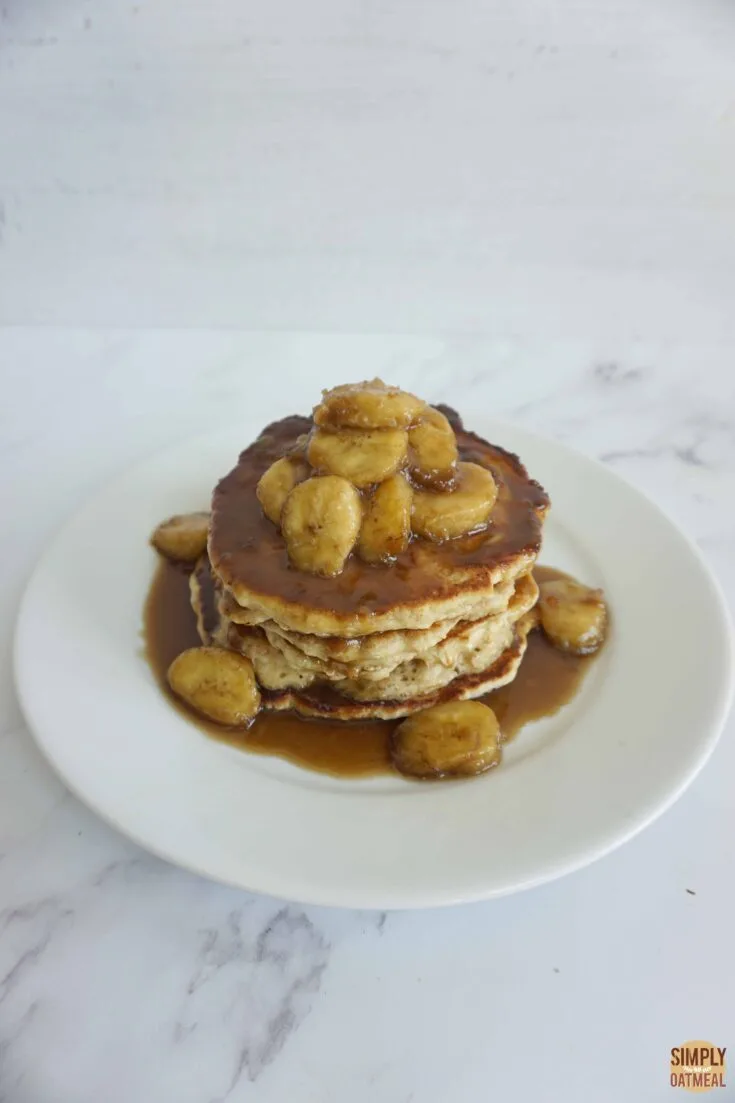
(426, 583)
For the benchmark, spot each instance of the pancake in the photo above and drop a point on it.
(440, 621)
(373, 648)
(468, 648)
(467, 645)
(326, 703)
(379, 649)
(465, 579)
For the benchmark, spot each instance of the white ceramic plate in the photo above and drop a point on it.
(570, 788)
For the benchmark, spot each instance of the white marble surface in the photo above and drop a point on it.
(124, 979)
(551, 184)
(542, 166)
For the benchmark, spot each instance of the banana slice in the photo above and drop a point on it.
(182, 538)
(368, 405)
(320, 521)
(433, 451)
(443, 516)
(573, 616)
(277, 482)
(218, 684)
(386, 526)
(457, 739)
(363, 457)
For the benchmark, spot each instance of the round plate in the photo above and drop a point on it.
(570, 788)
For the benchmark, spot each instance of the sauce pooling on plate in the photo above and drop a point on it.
(546, 681)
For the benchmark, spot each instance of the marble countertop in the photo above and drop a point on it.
(123, 979)
(541, 196)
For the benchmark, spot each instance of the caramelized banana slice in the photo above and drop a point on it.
(217, 683)
(386, 526)
(362, 457)
(433, 451)
(573, 616)
(456, 739)
(182, 538)
(443, 516)
(276, 484)
(368, 405)
(320, 521)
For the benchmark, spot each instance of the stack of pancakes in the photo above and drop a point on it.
(442, 621)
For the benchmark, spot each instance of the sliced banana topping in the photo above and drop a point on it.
(277, 482)
(386, 526)
(218, 684)
(573, 616)
(400, 459)
(182, 538)
(363, 457)
(438, 516)
(433, 451)
(320, 522)
(457, 739)
(368, 405)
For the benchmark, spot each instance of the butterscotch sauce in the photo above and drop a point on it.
(546, 681)
(248, 549)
